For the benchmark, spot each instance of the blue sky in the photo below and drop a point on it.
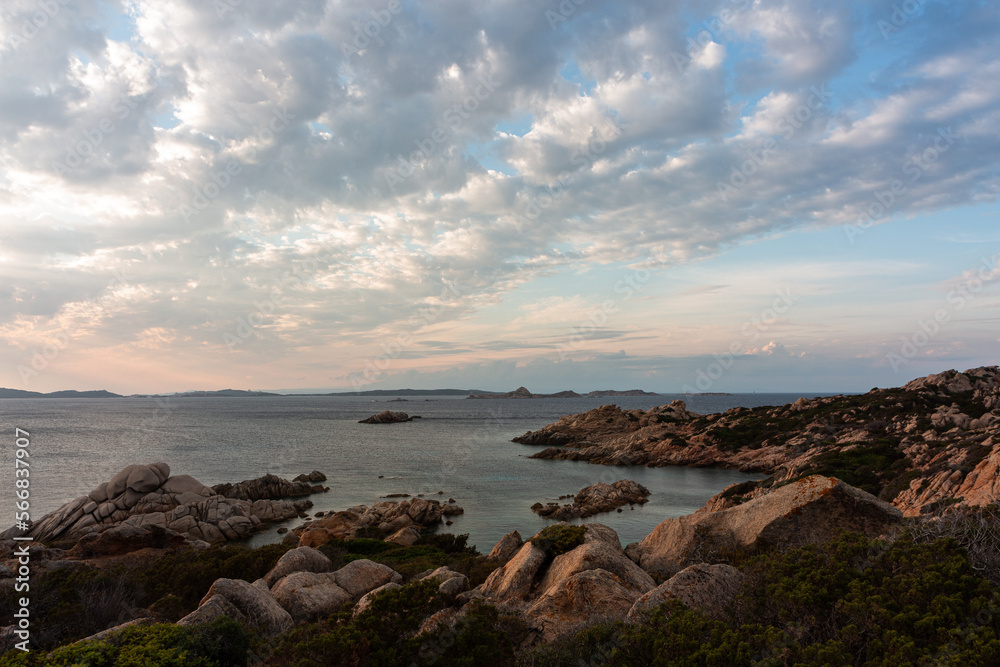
(738, 195)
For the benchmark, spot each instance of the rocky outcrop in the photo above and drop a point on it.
(388, 417)
(147, 507)
(313, 477)
(506, 547)
(812, 510)
(593, 581)
(384, 518)
(451, 583)
(935, 440)
(404, 537)
(599, 551)
(595, 499)
(254, 602)
(302, 559)
(268, 487)
(587, 597)
(710, 589)
(309, 596)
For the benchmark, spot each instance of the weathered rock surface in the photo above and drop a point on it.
(506, 547)
(302, 559)
(594, 581)
(404, 537)
(595, 499)
(157, 506)
(361, 576)
(597, 555)
(388, 417)
(268, 487)
(309, 596)
(213, 609)
(942, 430)
(811, 510)
(583, 599)
(452, 583)
(385, 518)
(313, 477)
(516, 578)
(367, 598)
(254, 602)
(707, 588)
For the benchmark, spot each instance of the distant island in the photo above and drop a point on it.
(522, 392)
(67, 393)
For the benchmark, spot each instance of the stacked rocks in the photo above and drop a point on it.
(143, 496)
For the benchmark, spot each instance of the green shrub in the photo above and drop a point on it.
(221, 643)
(557, 540)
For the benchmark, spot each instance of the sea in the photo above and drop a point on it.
(459, 449)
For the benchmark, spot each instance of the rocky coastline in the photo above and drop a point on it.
(932, 442)
(595, 499)
(787, 567)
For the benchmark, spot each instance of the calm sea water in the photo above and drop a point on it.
(461, 447)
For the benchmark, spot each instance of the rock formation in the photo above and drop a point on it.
(383, 518)
(812, 510)
(594, 581)
(146, 506)
(935, 440)
(595, 499)
(389, 417)
(708, 588)
(269, 487)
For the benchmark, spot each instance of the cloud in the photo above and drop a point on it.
(219, 157)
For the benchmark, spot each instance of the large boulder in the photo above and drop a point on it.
(213, 609)
(367, 599)
(506, 547)
(597, 555)
(811, 510)
(451, 583)
(583, 599)
(255, 602)
(309, 596)
(516, 578)
(707, 588)
(302, 559)
(361, 576)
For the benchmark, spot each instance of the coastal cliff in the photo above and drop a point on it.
(930, 443)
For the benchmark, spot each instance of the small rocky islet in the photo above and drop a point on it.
(908, 460)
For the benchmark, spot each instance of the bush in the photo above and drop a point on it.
(557, 540)
(853, 601)
(221, 643)
(429, 553)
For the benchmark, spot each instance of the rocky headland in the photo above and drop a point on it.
(933, 442)
(595, 499)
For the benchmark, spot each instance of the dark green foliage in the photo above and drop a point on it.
(189, 574)
(382, 635)
(851, 602)
(73, 603)
(221, 643)
(557, 540)
(429, 553)
(864, 466)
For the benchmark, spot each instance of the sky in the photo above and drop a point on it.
(724, 196)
